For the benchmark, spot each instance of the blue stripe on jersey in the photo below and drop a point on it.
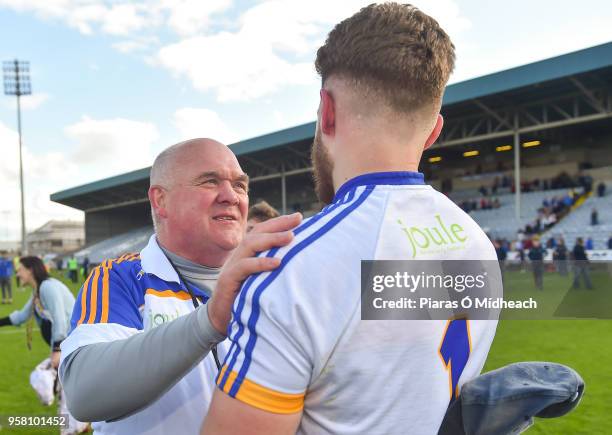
(77, 312)
(270, 278)
(235, 347)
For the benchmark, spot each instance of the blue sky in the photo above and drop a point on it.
(115, 82)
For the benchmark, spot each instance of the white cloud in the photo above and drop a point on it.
(236, 67)
(44, 173)
(111, 17)
(184, 17)
(111, 146)
(192, 122)
(189, 17)
(260, 57)
(140, 44)
(125, 19)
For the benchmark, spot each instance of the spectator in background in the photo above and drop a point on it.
(520, 249)
(502, 254)
(85, 266)
(610, 243)
(586, 181)
(536, 256)
(538, 225)
(594, 217)
(15, 267)
(6, 273)
(589, 244)
(560, 257)
(548, 221)
(601, 189)
(73, 269)
(260, 212)
(581, 265)
(59, 263)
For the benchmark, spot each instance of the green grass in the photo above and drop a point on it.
(582, 344)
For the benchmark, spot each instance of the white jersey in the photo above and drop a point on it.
(298, 341)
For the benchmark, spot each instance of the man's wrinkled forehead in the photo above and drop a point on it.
(205, 158)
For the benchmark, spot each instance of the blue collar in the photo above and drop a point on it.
(384, 178)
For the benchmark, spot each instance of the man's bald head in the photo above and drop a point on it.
(168, 163)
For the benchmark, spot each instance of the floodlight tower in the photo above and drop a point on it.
(17, 82)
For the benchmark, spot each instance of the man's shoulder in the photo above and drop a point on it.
(125, 268)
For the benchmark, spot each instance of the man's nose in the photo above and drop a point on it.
(227, 194)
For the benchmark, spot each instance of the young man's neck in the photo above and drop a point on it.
(368, 159)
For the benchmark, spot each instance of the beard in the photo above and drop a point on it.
(322, 167)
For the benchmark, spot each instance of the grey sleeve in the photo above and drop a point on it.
(109, 381)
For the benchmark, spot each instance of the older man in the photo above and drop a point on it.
(137, 358)
(301, 357)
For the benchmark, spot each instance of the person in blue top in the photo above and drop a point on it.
(536, 256)
(6, 272)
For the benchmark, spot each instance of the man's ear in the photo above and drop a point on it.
(157, 198)
(328, 113)
(435, 133)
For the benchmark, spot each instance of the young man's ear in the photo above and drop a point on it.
(328, 113)
(157, 198)
(435, 133)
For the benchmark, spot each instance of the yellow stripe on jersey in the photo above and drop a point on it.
(102, 269)
(264, 398)
(184, 296)
(93, 305)
(105, 297)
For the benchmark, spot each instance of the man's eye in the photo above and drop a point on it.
(211, 181)
(241, 186)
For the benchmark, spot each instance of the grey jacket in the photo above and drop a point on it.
(56, 303)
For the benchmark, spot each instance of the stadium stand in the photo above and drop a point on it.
(114, 247)
(578, 223)
(502, 223)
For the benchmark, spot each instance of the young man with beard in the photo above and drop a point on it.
(137, 359)
(301, 357)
